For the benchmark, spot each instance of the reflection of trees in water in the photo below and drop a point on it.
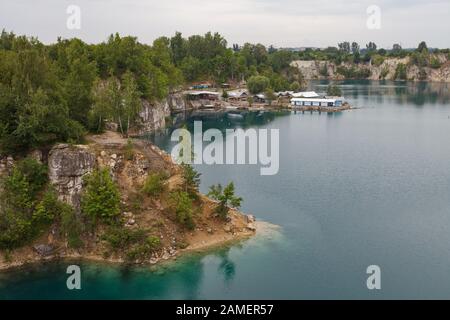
(416, 93)
(226, 267)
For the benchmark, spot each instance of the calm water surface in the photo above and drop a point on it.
(362, 187)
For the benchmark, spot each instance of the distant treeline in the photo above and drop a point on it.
(58, 92)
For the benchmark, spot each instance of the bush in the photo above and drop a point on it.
(435, 63)
(136, 243)
(19, 223)
(71, 227)
(377, 60)
(121, 238)
(182, 205)
(35, 173)
(48, 209)
(143, 251)
(295, 86)
(154, 184)
(129, 150)
(400, 72)
(101, 198)
(354, 73)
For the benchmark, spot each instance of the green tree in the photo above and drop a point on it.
(422, 47)
(182, 204)
(191, 180)
(401, 72)
(154, 185)
(101, 198)
(295, 86)
(131, 101)
(258, 84)
(334, 90)
(270, 96)
(226, 197)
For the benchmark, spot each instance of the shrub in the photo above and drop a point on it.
(435, 63)
(182, 204)
(48, 209)
(377, 60)
(400, 72)
(144, 250)
(101, 198)
(71, 227)
(354, 73)
(136, 243)
(154, 184)
(129, 150)
(295, 86)
(19, 195)
(121, 238)
(35, 173)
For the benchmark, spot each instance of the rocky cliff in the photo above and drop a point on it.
(67, 166)
(384, 71)
(153, 116)
(153, 216)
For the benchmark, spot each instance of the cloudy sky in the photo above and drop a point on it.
(282, 23)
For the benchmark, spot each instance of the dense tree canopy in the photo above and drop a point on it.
(57, 92)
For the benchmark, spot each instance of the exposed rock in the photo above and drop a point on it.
(250, 218)
(9, 162)
(67, 167)
(385, 70)
(227, 229)
(153, 116)
(251, 227)
(44, 250)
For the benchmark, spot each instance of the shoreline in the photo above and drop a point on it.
(262, 228)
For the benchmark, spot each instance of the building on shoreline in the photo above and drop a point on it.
(312, 99)
(202, 95)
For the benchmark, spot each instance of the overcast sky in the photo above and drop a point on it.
(282, 23)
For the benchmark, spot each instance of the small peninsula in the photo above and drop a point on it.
(149, 228)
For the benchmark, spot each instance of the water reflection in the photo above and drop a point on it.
(398, 92)
(227, 267)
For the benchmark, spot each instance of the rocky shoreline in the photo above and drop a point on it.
(67, 166)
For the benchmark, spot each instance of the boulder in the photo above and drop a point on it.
(67, 167)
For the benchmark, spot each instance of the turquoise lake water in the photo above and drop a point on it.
(364, 187)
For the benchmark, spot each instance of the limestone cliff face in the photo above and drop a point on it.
(153, 115)
(385, 71)
(67, 167)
